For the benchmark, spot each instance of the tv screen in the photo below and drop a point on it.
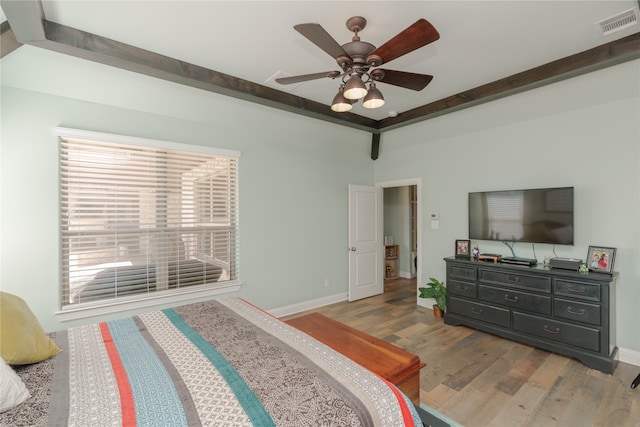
(543, 215)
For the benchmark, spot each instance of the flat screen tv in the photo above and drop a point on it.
(542, 215)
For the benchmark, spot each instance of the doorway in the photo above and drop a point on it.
(402, 221)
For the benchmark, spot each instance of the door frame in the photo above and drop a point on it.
(405, 183)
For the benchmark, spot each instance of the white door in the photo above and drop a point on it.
(366, 263)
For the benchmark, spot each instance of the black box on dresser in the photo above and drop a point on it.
(561, 311)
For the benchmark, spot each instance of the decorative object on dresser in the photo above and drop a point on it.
(556, 310)
(437, 290)
(494, 258)
(601, 259)
(463, 248)
(583, 269)
(391, 262)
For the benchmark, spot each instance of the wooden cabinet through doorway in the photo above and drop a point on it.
(391, 262)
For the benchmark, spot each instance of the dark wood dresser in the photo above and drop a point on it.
(561, 311)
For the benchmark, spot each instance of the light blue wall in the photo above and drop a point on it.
(583, 132)
(294, 174)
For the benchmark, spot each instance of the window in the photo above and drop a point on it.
(141, 219)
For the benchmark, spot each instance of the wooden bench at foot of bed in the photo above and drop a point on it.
(390, 362)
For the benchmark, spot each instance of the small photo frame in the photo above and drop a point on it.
(463, 248)
(600, 259)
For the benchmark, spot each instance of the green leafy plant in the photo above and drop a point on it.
(435, 289)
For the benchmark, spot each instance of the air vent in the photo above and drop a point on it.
(619, 22)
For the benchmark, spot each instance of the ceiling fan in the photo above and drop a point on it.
(358, 59)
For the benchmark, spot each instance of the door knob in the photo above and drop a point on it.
(353, 248)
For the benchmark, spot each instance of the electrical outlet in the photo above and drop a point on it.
(327, 283)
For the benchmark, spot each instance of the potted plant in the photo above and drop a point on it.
(435, 289)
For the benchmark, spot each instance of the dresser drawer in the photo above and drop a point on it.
(574, 335)
(578, 311)
(516, 299)
(582, 290)
(523, 281)
(464, 289)
(495, 315)
(464, 272)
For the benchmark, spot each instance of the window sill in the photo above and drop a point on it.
(83, 311)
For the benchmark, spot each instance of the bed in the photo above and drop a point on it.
(220, 362)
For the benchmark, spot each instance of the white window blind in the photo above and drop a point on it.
(137, 220)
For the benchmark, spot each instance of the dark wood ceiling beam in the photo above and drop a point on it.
(8, 42)
(613, 53)
(110, 52)
(37, 31)
(30, 27)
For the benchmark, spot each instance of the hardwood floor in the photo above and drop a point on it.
(481, 380)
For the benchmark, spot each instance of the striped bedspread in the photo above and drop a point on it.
(216, 363)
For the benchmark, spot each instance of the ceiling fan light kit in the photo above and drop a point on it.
(374, 98)
(357, 60)
(340, 103)
(355, 88)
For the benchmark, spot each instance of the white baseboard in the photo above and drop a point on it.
(405, 274)
(308, 305)
(629, 356)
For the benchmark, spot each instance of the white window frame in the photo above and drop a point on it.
(153, 299)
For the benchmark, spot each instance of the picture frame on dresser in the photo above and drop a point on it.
(463, 248)
(600, 259)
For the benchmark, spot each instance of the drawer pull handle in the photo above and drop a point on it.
(555, 331)
(512, 299)
(462, 288)
(582, 290)
(512, 279)
(582, 311)
(476, 311)
(463, 272)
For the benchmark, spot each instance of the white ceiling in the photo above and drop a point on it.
(480, 41)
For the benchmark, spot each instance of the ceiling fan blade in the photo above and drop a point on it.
(319, 36)
(421, 33)
(307, 77)
(405, 79)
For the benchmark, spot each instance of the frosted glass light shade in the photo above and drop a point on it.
(340, 104)
(374, 98)
(355, 88)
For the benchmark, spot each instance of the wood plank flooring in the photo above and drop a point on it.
(482, 380)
